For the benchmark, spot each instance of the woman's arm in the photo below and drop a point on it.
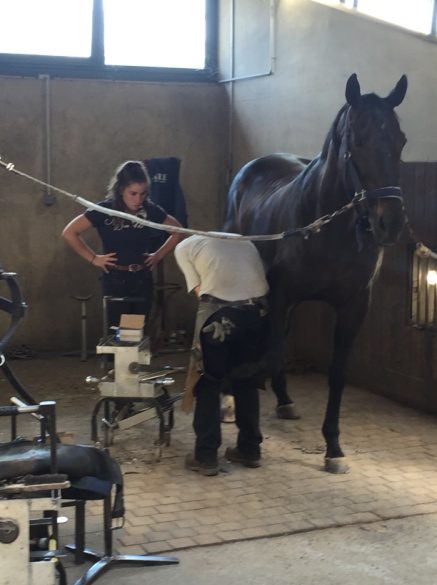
(170, 243)
(72, 234)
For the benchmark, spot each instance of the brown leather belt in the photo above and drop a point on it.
(252, 301)
(129, 267)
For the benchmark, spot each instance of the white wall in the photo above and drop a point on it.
(317, 47)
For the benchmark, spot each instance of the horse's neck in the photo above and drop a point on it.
(320, 189)
(333, 192)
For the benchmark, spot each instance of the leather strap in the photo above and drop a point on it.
(129, 267)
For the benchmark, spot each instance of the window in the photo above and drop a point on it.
(417, 15)
(423, 306)
(153, 38)
(121, 39)
(46, 27)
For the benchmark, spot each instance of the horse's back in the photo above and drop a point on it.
(256, 181)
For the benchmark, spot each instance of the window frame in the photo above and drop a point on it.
(432, 34)
(94, 67)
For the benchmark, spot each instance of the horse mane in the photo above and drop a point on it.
(333, 135)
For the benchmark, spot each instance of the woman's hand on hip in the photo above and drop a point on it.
(105, 261)
(151, 260)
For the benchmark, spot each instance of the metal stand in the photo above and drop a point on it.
(107, 559)
(135, 391)
(28, 544)
(83, 352)
(83, 321)
(166, 341)
(121, 417)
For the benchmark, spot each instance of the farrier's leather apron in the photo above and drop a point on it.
(204, 311)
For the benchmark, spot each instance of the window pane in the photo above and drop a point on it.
(46, 27)
(167, 33)
(415, 15)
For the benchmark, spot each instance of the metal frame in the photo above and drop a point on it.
(423, 296)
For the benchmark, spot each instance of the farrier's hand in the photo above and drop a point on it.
(151, 260)
(105, 261)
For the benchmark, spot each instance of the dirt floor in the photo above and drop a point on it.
(288, 521)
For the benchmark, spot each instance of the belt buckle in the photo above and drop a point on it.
(134, 267)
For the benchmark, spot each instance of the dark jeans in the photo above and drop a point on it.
(236, 360)
(138, 285)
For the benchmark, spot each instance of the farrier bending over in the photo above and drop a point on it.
(231, 332)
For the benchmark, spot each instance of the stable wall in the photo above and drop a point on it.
(299, 85)
(94, 126)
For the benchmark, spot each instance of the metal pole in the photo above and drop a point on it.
(83, 353)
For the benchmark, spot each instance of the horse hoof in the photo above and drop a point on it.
(227, 417)
(287, 411)
(336, 465)
(227, 410)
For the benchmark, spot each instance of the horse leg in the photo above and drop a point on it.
(349, 320)
(285, 407)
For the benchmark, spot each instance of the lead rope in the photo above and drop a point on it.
(420, 249)
(305, 232)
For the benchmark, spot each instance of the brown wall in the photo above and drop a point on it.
(95, 125)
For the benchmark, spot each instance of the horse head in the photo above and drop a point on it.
(372, 146)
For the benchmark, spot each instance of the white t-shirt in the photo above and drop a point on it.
(228, 269)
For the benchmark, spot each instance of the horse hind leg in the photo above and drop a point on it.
(285, 407)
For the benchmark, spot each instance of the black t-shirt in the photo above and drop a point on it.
(129, 240)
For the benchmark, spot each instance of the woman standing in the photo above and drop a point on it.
(127, 261)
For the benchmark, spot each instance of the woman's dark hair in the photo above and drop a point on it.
(131, 171)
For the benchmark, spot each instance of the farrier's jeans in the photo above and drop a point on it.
(236, 361)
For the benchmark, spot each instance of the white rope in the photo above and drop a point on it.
(314, 227)
(140, 220)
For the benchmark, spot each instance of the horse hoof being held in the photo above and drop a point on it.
(335, 260)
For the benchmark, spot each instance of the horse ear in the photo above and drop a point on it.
(353, 91)
(397, 94)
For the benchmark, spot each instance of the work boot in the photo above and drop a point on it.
(235, 456)
(207, 468)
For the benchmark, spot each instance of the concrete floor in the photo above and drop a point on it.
(288, 521)
(393, 552)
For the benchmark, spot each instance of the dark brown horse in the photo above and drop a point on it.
(359, 163)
